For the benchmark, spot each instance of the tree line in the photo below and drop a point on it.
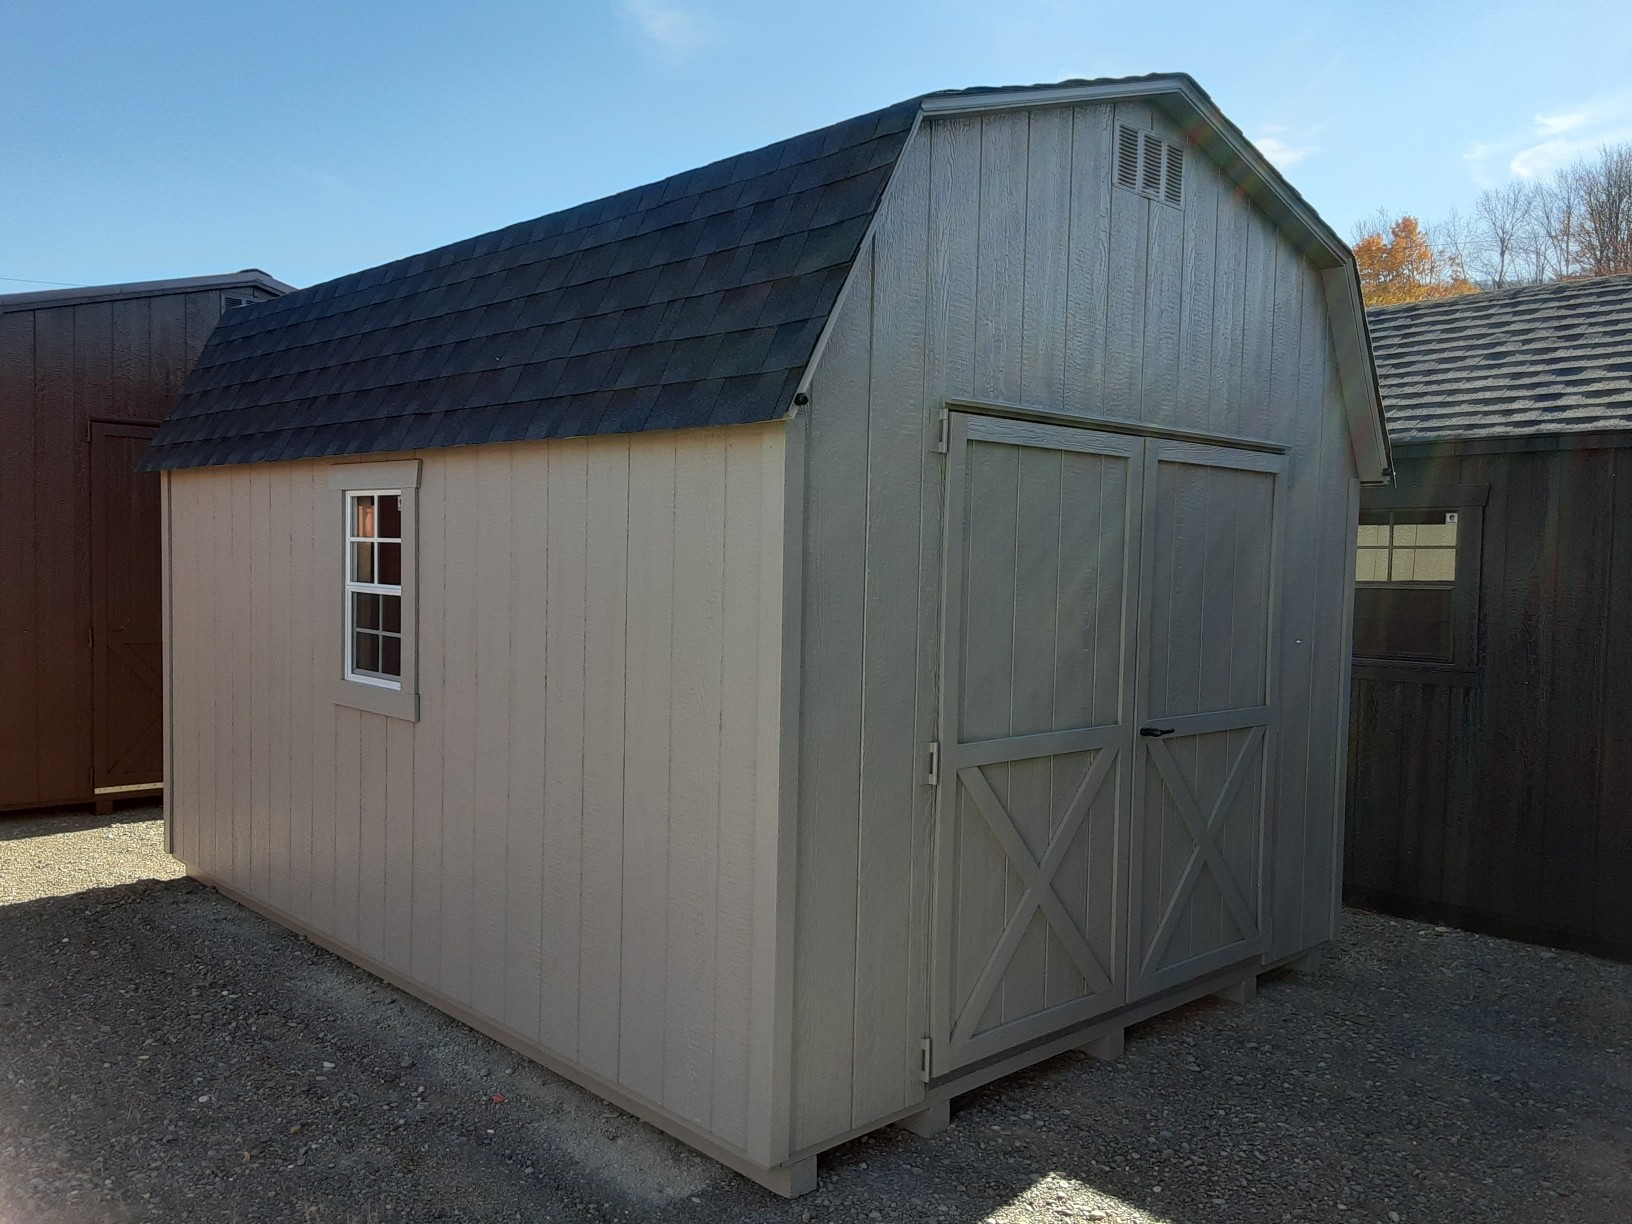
(1576, 224)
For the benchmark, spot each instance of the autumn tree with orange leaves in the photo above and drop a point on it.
(1398, 264)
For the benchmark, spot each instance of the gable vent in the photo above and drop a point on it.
(1127, 158)
(1173, 182)
(1150, 165)
(232, 303)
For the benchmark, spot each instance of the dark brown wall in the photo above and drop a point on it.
(1503, 801)
(60, 368)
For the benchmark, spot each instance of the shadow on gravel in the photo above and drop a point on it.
(17, 826)
(167, 1055)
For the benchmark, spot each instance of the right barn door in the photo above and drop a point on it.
(1204, 700)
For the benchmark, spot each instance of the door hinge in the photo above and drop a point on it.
(923, 1060)
(943, 434)
(933, 777)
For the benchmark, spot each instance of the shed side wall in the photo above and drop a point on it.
(60, 368)
(565, 842)
(1006, 267)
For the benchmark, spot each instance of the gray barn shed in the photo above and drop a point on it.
(793, 642)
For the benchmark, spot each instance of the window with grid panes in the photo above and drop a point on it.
(374, 586)
(1405, 604)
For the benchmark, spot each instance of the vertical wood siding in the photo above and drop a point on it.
(565, 842)
(1006, 266)
(60, 368)
(1501, 801)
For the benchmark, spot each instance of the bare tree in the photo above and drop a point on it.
(1506, 222)
(1606, 212)
(1457, 242)
(1554, 242)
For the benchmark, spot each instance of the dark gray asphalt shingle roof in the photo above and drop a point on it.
(1545, 359)
(695, 300)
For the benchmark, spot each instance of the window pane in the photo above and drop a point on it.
(1373, 535)
(1405, 535)
(366, 652)
(1411, 623)
(1442, 535)
(1371, 565)
(391, 613)
(1436, 564)
(391, 656)
(365, 610)
(364, 523)
(390, 564)
(362, 562)
(390, 521)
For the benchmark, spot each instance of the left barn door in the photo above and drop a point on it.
(126, 621)
(1037, 732)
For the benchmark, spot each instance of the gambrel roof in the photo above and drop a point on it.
(698, 300)
(1545, 359)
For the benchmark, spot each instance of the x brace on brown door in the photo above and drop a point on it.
(1205, 832)
(1039, 881)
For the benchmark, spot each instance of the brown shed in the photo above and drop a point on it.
(85, 375)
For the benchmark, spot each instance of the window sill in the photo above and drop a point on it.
(1416, 673)
(375, 699)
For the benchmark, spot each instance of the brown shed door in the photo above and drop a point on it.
(126, 626)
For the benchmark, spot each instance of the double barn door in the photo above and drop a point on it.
(1107, 718)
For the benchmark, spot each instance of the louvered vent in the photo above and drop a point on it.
(1127, 158)
(1173, 183)
(231, 303)
(1150, 165)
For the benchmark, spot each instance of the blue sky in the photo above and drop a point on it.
(176, 137)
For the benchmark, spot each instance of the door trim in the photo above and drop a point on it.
(997, 409)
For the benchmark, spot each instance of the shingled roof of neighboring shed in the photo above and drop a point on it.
(1545, 359)
(697, 300)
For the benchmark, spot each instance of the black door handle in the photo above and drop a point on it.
(1157, 732)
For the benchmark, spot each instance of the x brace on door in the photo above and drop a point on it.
(1039, 881)
(1205, 832)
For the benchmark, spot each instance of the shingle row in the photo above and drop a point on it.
(1553, 358)
(692, 301)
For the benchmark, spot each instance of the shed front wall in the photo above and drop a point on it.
(1006, 267)
(567, 844)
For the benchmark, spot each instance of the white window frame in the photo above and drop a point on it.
(376, 694)
(354, 587)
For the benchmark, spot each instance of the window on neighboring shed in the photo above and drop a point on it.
(1412, 601)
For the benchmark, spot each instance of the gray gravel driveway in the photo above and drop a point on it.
(169, 1056)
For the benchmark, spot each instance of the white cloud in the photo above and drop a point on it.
(674, 30)
(1552, 140)
(1281, 152)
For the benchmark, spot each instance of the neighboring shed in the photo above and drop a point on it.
(1489, 763)
(823, 630)
(86, 374)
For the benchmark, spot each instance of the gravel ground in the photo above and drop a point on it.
(169, 1056)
